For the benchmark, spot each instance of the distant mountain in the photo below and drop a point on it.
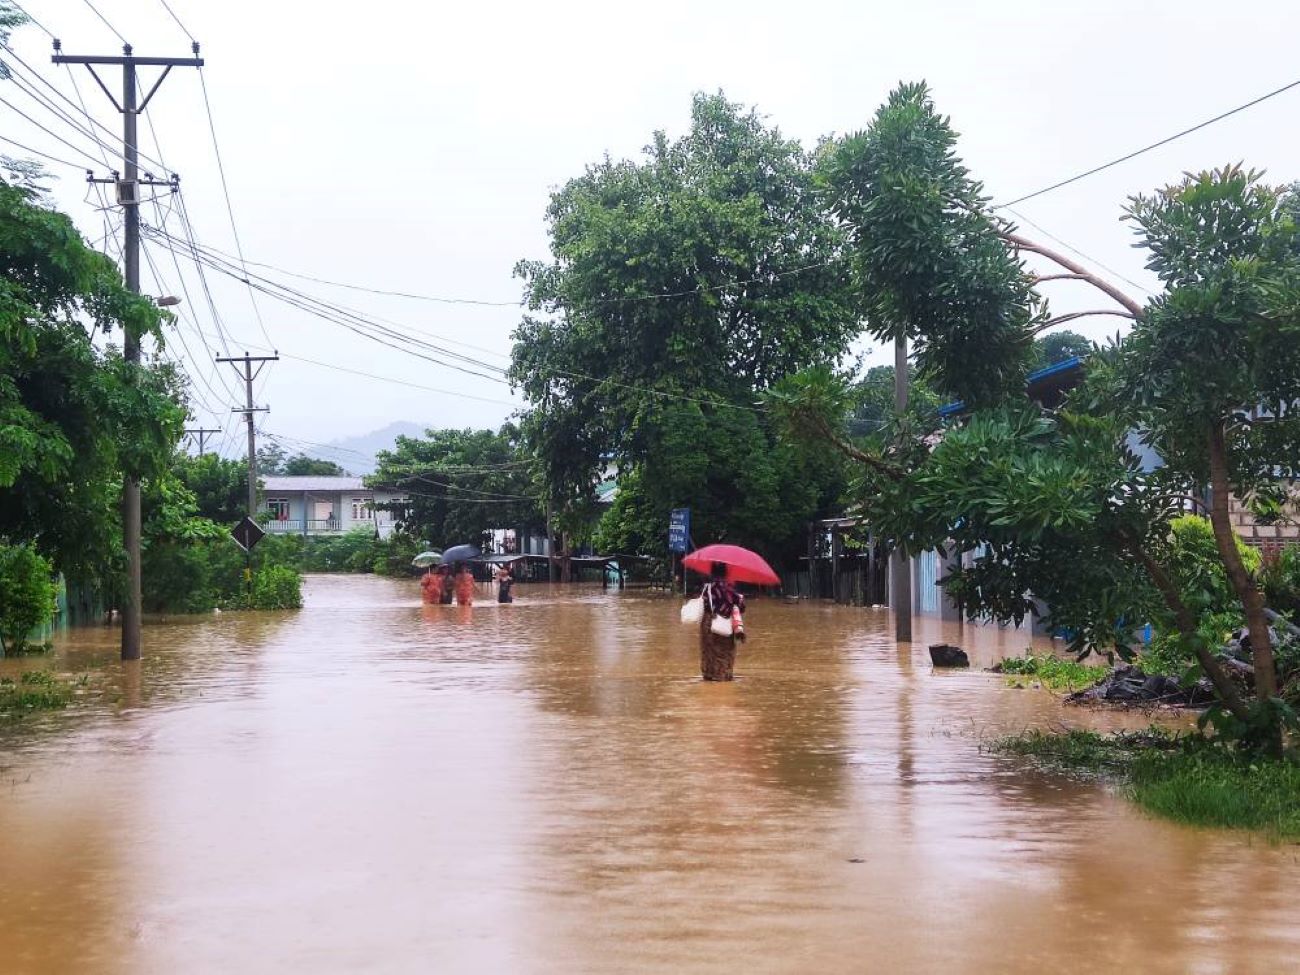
(357, 454)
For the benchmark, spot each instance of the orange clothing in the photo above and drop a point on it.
(464, 589)
(431, 587)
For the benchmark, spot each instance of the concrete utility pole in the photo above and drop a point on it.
(248, 374)
(900, 596)
(202, 434)
(128, 195)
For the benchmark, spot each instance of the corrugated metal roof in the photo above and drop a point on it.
(312, 482)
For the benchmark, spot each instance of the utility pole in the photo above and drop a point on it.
(248, 374)
(128, 194)
(202, 434)
(901, 591)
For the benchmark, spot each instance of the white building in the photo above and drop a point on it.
(315, 505)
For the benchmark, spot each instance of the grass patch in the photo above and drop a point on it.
(1085, 751)
(1052, 672)
(37, 690)
(1215, 787)
(1183, 778)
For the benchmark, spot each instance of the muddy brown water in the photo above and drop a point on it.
(369, 785)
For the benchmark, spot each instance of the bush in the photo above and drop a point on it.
(27, 596)
(276, 587)
(1281, 579)
(198, 576)
(1052, 672)
(1198, 572)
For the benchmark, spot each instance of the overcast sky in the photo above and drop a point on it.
(412, 146)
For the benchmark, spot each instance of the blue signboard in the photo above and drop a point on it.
(679, 529)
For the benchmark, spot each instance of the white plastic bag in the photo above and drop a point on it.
(693, 610)
(720, 625)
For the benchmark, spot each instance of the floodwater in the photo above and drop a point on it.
(369, 785)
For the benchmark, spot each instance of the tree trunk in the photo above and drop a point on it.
(1252, 600)
(1186, 624)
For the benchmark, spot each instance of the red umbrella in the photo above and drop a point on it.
(742, 564)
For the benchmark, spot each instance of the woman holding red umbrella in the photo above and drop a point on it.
(723, 604)
(721, 625)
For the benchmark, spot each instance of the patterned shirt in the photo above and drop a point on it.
(723, 597)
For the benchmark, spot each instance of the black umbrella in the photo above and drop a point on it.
(459, 553)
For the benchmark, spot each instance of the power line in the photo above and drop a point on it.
(74, 148)
(106, 23)
(1155, 145)
(225, 190)
(117, 147)
(359, 325)
(19, 7)
(168, 8)
(43, 155)
(655, 296)
(1068, 246)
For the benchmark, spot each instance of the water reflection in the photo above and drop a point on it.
(375, 784)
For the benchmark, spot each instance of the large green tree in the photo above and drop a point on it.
(74, 417)
(1053, 505)
(680, 286)
(461, 484)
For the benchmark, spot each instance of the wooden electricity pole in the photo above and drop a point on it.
(248, 374)
(128, 195)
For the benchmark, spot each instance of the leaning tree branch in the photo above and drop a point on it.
(1186, 623)
(1060, 319)
(1024, 243)
(827, 432)
(1040, 278)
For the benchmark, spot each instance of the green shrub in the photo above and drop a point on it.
(1281, 580)
(36, 690)
(1050, 671)
(27, 596)
(276, 587)
(1197, 570)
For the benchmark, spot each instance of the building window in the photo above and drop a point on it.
(279, 508)
(361, 510)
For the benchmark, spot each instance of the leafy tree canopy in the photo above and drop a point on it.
(73, 417)
(1059, 346)
(461, 484)
(680, 285)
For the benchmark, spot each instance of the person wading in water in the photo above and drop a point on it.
(445, 591)
(464, 586)
(431, 586)
(505, 582)
(723, 603)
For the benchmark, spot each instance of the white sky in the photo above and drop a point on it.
(412, 146)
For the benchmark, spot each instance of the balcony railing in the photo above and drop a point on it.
(294, 526)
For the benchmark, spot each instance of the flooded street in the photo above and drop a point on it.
(370, 785)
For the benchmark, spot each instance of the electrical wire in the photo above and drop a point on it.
(74, 148)
(19, 7)
(1155, 145)
(106, 23)
(168, 8)
(43, 155)
(362, 326)
(1070, 247)
(225, 190)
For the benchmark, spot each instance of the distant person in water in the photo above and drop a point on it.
(446, 589)
(724, 604)
(505, 585)
(464, 585)
(431, 586)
